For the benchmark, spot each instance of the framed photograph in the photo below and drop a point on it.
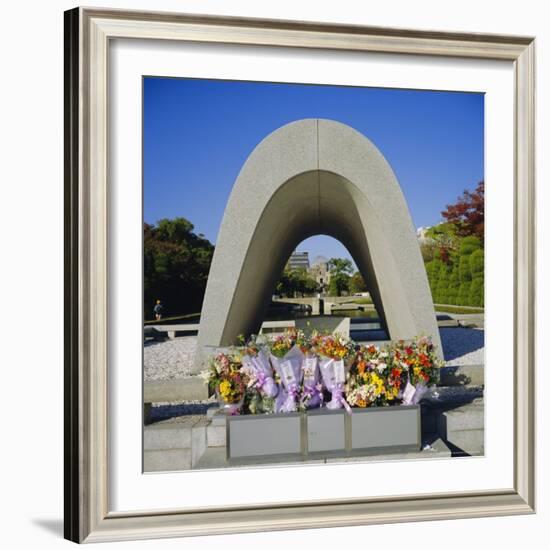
(299, 259)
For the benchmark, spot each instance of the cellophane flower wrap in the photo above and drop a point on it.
(286, 358)
(371, 382)
(419, 365)
(311, 395)
(225, 379)
(261, 386)
(335, 357)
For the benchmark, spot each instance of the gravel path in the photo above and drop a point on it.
(173, 359)
(170, 359)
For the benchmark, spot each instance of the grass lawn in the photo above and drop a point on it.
(188, 318)
(362, 301)
(458, 309)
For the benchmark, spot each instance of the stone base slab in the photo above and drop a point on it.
(167, 460)
(191, 388)
(215, 458)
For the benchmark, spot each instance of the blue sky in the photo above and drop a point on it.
(198, 133)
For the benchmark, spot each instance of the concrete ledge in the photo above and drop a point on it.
(167, 460)
(463, 428)
(216, 436)
(470, 442)
(198, 440)
(191, 388)
(437, 449)
(176, 444)
(171, 436)
(214, 458)
(468, 417)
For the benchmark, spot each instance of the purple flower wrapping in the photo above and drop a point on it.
(413, 394)
(289, 369)
(260, 366)
(312, 392)
(334, 377)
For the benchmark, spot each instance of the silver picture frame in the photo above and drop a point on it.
(87, 37)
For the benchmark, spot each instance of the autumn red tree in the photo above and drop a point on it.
(468, 213)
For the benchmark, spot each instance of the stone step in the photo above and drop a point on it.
(463, 428)
(467, 417)
(215, 436)
(169, 434)
(470, 442)
(167, 460)
(198, 443)
(175, 444)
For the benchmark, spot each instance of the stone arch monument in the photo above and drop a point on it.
(309, 177)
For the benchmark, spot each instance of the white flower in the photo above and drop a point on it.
(380, 367)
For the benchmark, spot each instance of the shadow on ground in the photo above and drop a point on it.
(457, 342)
(53, 526)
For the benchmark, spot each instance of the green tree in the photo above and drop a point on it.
(340, 265)
(442, 241)
(442, 288)
(477, 264)
(468, 245)
(433, 270)
(454, 285)
(175, 267)
(357, 283)
(453, 252)
(468, 213)
(340, 272)
(295, 281)
(339, 283)
(304, 283)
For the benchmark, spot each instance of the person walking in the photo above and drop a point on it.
(158, 310)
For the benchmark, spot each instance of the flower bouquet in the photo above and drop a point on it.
(371, 381)
(261, 386)
(286, 358)
(335, 357)
(311, 396)
(225, 379)
(419, 366)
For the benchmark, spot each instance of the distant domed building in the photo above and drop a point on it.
(320, 272)
(319, 260)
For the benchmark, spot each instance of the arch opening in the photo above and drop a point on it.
(311, 203)
(321, 278)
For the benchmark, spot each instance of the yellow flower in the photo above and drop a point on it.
(225, 388)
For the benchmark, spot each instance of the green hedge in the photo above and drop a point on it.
(460, 281)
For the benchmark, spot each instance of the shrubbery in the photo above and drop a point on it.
(460, 280)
